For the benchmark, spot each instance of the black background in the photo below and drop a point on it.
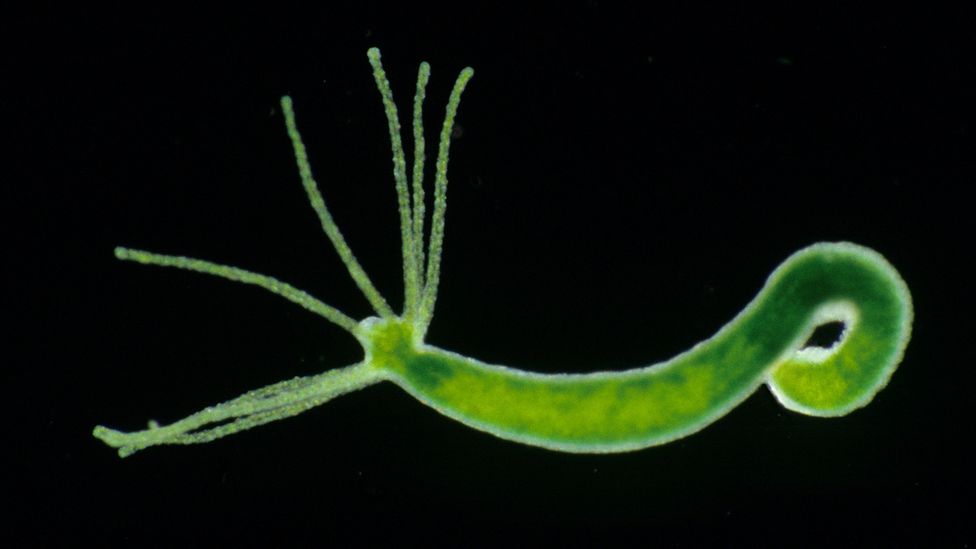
(622, 183)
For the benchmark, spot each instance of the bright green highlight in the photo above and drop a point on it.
(599, 412)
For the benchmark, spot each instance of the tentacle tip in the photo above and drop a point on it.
(108, 436)
(115, 439)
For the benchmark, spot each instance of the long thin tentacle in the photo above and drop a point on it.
(426, 310)
(411, 283)
(328, 225)
(273, 285)
(419, 146)
(271, 403)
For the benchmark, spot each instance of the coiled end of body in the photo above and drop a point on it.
(859, 288)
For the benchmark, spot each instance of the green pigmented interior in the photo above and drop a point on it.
(616, 411)
(600, 412)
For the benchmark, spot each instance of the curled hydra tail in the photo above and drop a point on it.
(856, 286)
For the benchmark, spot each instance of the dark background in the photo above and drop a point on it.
(621, 185)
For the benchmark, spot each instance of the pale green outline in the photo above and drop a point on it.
(594, 413)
